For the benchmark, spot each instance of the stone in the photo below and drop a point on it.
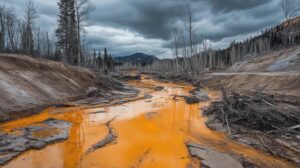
(191, 100)
(23, 139)
(212, 158)
(158, 88)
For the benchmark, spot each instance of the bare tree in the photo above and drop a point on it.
(289, 9)
(2, 26)
(190, 28)
(82, 9)
(30, 15)
(11, 27)
(176, 47)
(48, 45)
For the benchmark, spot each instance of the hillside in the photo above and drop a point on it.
(137, 58)
(275, 73)
(278, 61)
(282, 36)
(28, 84)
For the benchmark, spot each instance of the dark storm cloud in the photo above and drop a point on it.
(156, 18)
(233, 5)
(241, 22)
(145, 25)
(153, 19)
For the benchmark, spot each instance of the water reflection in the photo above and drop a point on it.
(142, 141)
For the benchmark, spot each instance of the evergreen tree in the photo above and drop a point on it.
(72, 33)
(66, 31)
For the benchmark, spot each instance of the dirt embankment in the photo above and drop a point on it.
(286, 60)
(277, 74)
(27, 85)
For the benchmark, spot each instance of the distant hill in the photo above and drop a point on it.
(140, 58)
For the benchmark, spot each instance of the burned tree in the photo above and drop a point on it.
(27, 36)
(176, 48)
(190, 28)
(82, 10)
(11, 27)
(99, 60)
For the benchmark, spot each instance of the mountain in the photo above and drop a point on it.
(140, 58)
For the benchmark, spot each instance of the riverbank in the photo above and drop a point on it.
(29, 85)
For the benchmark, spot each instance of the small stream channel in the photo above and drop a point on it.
(150, 133)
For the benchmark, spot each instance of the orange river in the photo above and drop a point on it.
(158, 141)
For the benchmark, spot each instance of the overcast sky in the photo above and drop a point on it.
(128, 26)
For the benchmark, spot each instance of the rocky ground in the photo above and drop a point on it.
(111, 137)
(211, 158)
(35, 136)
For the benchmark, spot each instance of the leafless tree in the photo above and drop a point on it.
(11, 27)
(190, 28)
(2, 26)
(176, 47)
(184, 54)
(30, 15)
(289, 9)
(82, 10)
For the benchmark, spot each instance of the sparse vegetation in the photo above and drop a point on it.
(147, 107)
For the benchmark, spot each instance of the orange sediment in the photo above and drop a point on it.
(143, 141)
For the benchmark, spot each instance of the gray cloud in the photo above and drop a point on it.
(234, 5)
(127, 26)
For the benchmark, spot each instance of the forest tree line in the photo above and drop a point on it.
(21, 34)
(205, 58)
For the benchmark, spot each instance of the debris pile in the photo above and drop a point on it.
(258, 112)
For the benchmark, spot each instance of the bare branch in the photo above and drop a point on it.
(289, 9)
